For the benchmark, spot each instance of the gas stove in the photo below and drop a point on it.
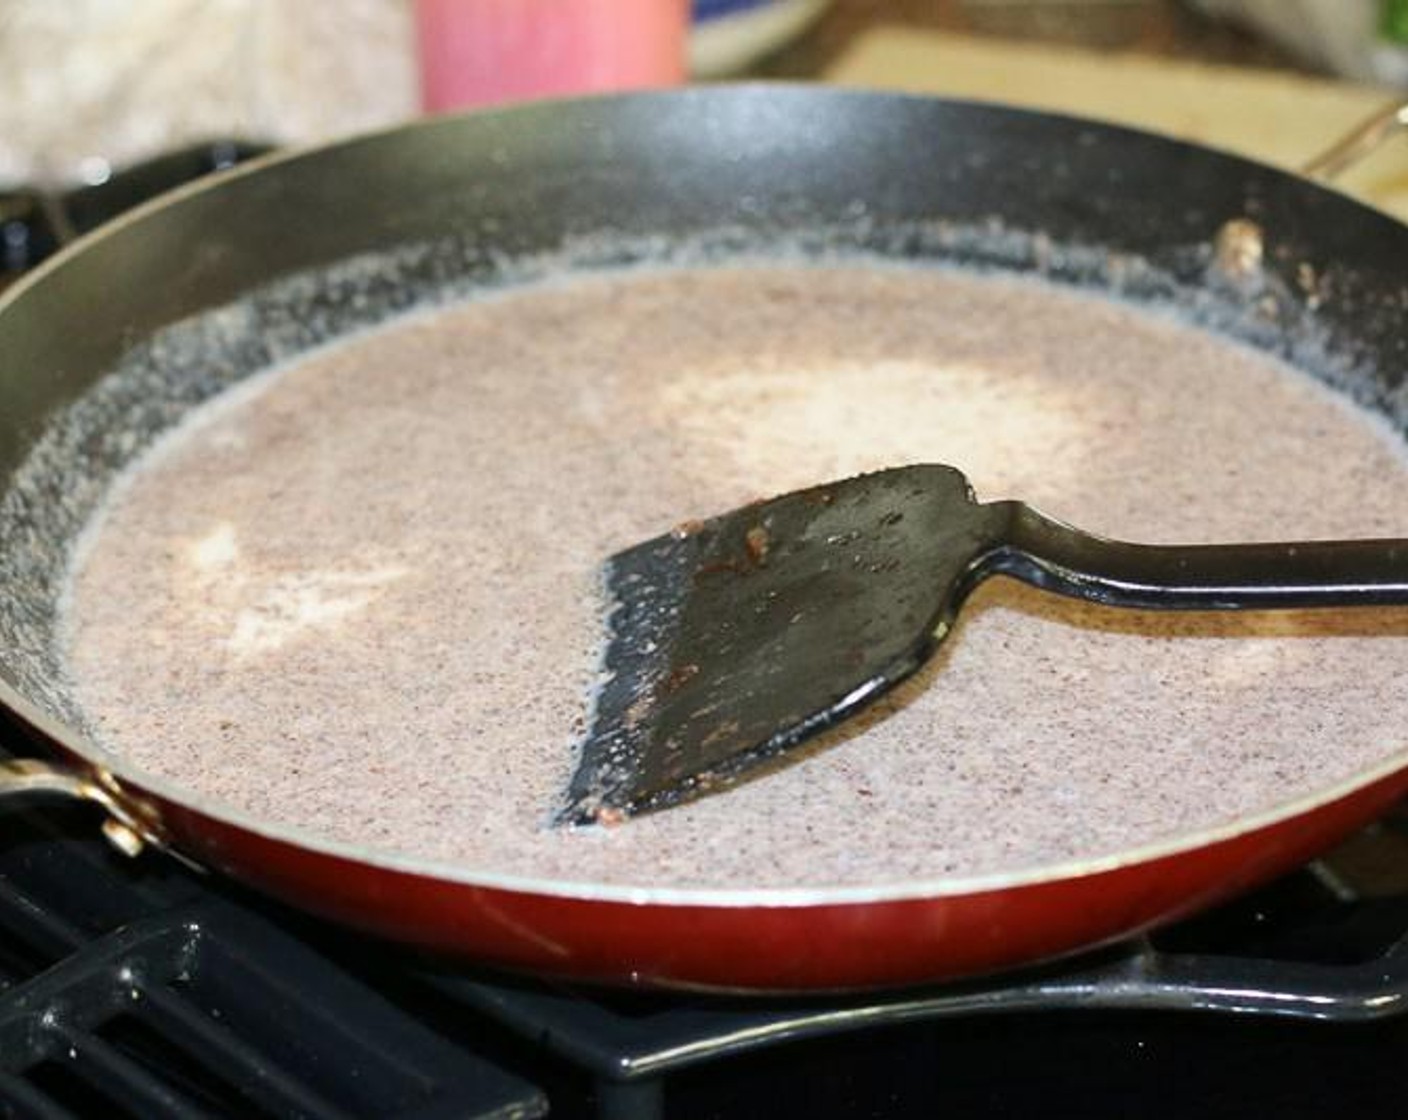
(142, 988)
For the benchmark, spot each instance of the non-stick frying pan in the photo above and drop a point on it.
(197, 290)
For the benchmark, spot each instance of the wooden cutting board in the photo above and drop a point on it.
(1283, 119)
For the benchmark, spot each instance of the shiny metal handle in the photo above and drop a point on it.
(22, 778)
(1364, 140)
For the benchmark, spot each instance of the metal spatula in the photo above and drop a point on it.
(735, 639)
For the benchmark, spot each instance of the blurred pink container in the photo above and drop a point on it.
(478, 51)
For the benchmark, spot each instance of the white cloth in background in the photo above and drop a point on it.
(86, 84)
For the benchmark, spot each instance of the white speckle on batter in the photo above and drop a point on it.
(293, 605)
(217, 549)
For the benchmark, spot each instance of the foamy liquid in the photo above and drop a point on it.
(359, 597)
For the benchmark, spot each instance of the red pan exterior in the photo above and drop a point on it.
(775, 948)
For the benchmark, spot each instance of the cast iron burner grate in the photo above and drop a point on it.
(136, 989)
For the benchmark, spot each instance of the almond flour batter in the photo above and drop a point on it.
(358, 595)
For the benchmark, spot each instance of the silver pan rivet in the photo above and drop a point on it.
(123, 837)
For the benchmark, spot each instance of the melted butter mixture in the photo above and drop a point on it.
(358, 596)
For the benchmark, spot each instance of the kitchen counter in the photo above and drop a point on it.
(1277, 116)
(1170, 28)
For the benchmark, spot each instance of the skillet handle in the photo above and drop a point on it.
(1363, 141)
(23, 778)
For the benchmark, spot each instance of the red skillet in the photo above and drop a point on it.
(464, 200)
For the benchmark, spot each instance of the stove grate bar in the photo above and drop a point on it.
(122, 1081)
(38, 927)
(590, 1030)
(22, 1101)
(196, 1034)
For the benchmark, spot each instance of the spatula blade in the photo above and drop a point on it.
(737, 638)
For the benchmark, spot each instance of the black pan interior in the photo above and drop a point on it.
(114, 343)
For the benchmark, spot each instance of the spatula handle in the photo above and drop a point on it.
(1060, 558)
